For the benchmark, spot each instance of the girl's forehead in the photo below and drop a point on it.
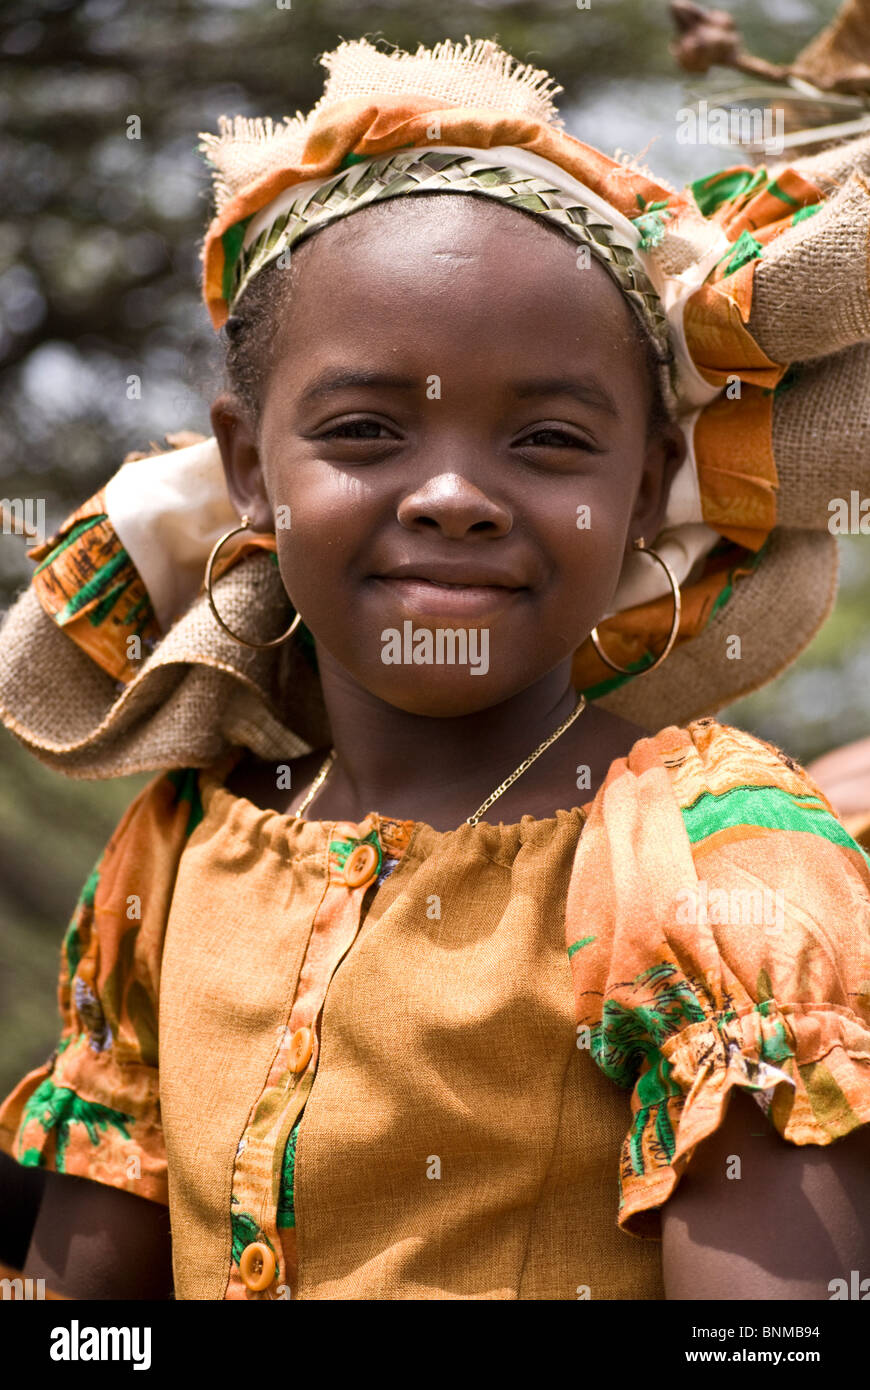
(466, 223)
(452, 242)
(489, 293)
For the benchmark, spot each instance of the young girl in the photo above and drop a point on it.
(358, 993)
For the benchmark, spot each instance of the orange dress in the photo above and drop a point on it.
(376, 1060)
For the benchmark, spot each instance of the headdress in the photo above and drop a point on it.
(752, 285)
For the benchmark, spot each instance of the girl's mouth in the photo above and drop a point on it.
(455, 599)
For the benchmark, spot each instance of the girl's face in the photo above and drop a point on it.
(455, 414)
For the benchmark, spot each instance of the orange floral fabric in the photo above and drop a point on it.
(93, 1108)
(721, 937)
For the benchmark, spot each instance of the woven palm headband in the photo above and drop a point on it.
(541, 189)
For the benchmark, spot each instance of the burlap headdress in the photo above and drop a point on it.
(752, 284)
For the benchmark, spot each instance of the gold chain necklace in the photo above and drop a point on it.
(500, 789)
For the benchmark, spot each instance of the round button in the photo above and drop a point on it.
(301, 1045)
(257, 1267)
(360, 866)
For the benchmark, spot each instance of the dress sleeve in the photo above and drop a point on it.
(719, 936)
(87, 583)
(93, 1108)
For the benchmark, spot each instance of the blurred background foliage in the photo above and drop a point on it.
(99, 280)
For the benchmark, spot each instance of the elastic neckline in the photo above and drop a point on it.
(212, 783)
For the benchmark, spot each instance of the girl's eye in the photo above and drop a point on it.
(355, 429)
(365, 430)
(559, 439)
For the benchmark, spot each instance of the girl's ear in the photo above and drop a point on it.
(665, 451)
(246, 483)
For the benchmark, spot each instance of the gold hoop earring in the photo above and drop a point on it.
(675, 625)
(276, 641)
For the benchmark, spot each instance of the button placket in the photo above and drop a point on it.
(346, 908)
(291, 1076)
(254, 1217)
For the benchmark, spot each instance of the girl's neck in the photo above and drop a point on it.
(440, 770)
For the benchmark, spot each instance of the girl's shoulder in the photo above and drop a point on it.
(165, 812)
(146, 846)
(690, 802)
(706, 751)
(721, 776)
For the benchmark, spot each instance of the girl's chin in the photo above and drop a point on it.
(440, 695)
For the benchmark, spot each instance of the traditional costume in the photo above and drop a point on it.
(340, 1091)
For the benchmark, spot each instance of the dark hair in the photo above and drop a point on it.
(258, 314)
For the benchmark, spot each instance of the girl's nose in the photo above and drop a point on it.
(455, 506)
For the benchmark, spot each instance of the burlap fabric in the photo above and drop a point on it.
(196, 695)
(811, 294)
(831, 168)
(821, 437)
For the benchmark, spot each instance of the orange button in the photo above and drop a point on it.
(301, 1045)
(360, 866)
(257, 1267)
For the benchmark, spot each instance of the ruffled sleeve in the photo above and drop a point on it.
(93, 1108)
(718, 928)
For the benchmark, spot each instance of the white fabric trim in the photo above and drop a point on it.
(167, 512)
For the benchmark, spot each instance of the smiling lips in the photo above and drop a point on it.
(457, 591)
